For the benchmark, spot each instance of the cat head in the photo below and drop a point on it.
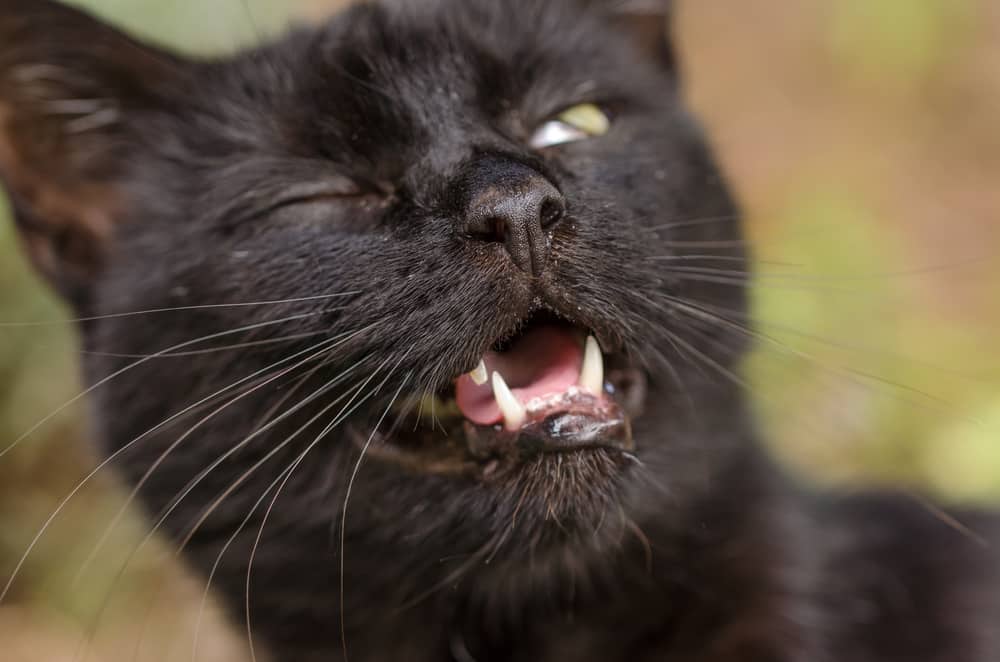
(482, 242)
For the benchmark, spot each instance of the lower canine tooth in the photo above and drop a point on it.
(592, 372)
(514, 413)
(480, 376)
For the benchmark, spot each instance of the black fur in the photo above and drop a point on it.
(338, 161)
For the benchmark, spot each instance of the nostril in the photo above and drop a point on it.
(489, 228)
(552, 212)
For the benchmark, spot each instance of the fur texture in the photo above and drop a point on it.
(330, 172)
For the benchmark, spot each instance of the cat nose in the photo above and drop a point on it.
(516, 208)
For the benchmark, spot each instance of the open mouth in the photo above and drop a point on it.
(548, 389)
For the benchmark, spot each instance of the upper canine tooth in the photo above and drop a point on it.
(592, 372)
(480, 376)
(514, 413)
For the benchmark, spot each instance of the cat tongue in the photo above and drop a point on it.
(545, 361)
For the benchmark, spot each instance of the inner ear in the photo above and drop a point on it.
(68, 86)
(649, 22)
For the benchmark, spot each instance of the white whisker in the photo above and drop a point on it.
(189, 488)
(347, 497)
(154, 311)
(79, 486)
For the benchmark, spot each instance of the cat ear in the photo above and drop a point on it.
(649, 22)
(67, 83)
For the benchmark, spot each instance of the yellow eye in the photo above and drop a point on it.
(574, 124)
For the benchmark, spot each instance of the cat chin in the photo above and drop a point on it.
(553, 498)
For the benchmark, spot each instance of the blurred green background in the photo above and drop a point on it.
(864, 139)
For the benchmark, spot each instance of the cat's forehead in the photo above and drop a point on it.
(381, 78)
(428, 27)
(490, 53)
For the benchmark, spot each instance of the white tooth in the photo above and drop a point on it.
(592, 372)
(480, 376)
(514, 413)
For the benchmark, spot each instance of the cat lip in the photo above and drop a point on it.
(454, 446)
(578, 421)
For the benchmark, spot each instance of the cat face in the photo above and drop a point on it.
(468, 243)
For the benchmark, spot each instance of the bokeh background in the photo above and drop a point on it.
(864, 140)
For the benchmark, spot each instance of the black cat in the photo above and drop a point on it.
(432, 366)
